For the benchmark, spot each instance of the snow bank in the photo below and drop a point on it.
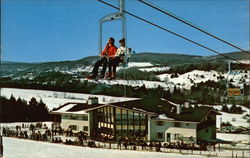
(19, 148)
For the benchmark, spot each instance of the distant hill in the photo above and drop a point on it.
(165, 59)
(16, 69)
(234, 55)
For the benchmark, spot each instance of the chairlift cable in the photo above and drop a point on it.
(189, 23)
(151, 23)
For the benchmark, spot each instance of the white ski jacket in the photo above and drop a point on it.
(123, 51)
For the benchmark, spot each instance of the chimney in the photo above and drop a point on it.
(186, 104)
(178, 109)
(92, 100)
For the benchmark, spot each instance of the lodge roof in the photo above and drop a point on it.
(74, 108)
(154, 107)
(161, 106)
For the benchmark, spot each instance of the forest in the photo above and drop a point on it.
(19, 110)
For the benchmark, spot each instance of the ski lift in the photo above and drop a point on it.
(113, 17)
(235, 90)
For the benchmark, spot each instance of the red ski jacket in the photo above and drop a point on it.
(110, 51)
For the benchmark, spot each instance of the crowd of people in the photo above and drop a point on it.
(81, 139)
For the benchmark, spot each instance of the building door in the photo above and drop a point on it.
(168, 137)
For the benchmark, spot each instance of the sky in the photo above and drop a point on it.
(59, 30)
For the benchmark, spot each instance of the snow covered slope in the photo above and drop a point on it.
(54, 99)
(188, 79)
(155, 69)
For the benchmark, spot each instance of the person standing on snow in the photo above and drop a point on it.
(108, 52)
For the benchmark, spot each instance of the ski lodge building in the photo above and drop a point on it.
(147, 119)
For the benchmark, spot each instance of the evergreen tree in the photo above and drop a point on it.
(225, 108)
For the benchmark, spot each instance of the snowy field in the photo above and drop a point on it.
(89, 68)
(237, 138)
(135, 83)
(139, 64)
(234, 119)
(188, 79)
(155, 69)
(183, 81)
(54, 99)
(19, 148)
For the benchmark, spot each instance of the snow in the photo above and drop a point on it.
(155, 69)
(164, 117)
(65, 108)
(76, 112)
(234, 119)
(238, 138)
(27, 124)
(188, 79)
(237, 77)
(69, 106)
(89, 68)
(78, 69)
(19, 148)
(245, 61)
(135, 83)
(54, 98)
(139, 64)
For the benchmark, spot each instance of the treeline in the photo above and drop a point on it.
(18, 110)
(205, 66)
(135, 74)
(57, 81)
(209, 92)
(233, 109)
(212, 93)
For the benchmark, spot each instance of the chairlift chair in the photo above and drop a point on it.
(113, 17)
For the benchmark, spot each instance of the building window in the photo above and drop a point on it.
(73, 127)
(85, 118)
(159, 123)
(207, 130)
(177, 124)
(177, 136)
(159, 135)
(85, 128)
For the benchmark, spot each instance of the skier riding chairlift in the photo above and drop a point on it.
(122, 55)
